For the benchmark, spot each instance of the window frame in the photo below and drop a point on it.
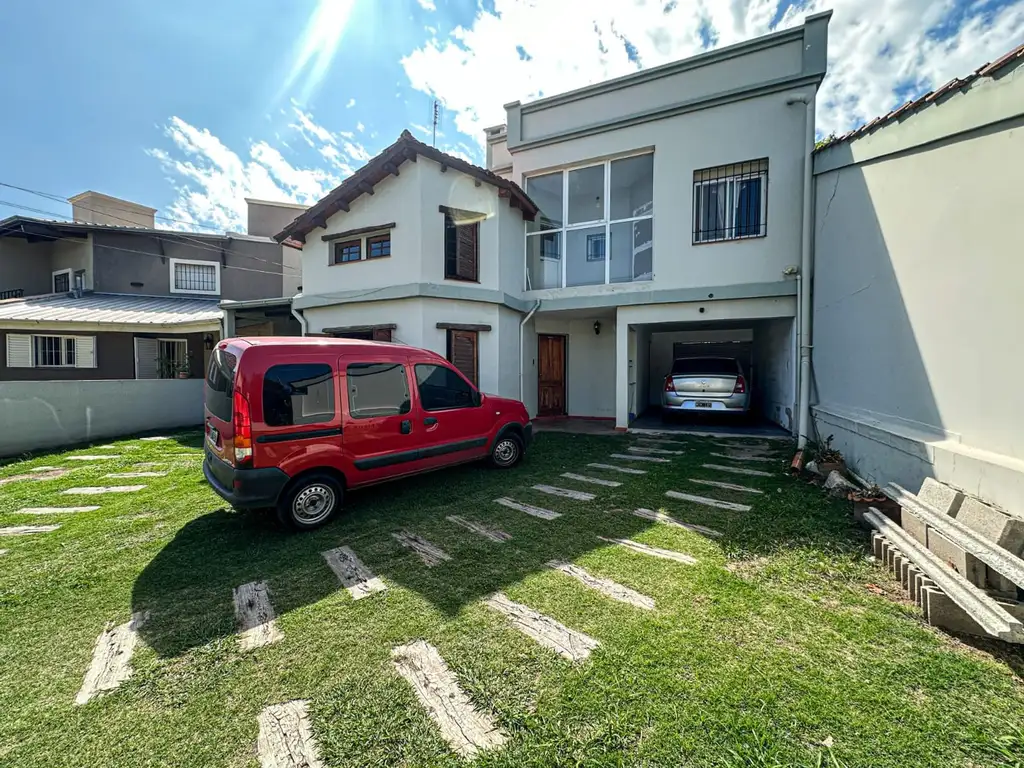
(340, 246)
(373, 240)
(178, 342)
(321, 418)
(352, 414)
(732, 182)
(71, 280)
(473, 389)
(645, 213)
(197, 262)
(63, 346)
(455, 228)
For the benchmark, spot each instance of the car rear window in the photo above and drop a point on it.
(377, 389)
(298, 393)
(220, 383)
(711, 366)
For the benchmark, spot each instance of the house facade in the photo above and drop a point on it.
(645, 218)
(95, 299)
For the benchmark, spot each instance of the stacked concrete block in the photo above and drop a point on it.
(995, 525)
(940, 496)
(964, 563)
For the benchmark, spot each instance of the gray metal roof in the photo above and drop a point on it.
(110, 308)
(12, 226)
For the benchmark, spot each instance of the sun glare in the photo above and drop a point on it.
(317, 47)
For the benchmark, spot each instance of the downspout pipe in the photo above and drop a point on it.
(806, 259)
(522, 340)
(303, 323)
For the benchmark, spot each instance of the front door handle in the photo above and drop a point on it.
(406, 426)
(429, 421)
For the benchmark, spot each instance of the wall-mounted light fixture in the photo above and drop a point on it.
(597, 327)
(208, 341)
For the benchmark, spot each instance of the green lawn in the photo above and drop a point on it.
(766, 651)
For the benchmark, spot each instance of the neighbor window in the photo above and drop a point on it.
(161, 358)
(44, 351)
(298, 393)
(730, 202)
(62, 281)
(195, 277)
(378, 247)
(442, 388)
(54, 351)
(350, 250)
(377, 389)
(461, 245)
(600, 217)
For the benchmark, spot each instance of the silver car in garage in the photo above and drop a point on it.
(705, 385)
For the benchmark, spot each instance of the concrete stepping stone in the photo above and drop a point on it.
(466, 729)
(92, 457)
(42, 469)
(149, 464)
(126, 475)
(736, 445)
(606, 587)
(661, 517)
(95, 490)
(738, 470)
(654, 451)
(726, 486)
(494, 534)
(354, 576)
(430, 554)
(543, 514)
(652, 441)
(27, 530)
(646, 549)
(254, 614)
(591, 480)
(740, 457)
(111, 658)
(286, 738)
(53, 510)
(568, 643)
(623, 470)
(4, 552)
(708, 502)
(565, 493)
(36, 475)
(652, 459)
(154, 438)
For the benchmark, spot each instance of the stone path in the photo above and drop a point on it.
(430, 554)
(92, 457)
(708, 502)
(725, 486)
(27, 530)
(737, 457)
(606, 587)
(254, 614)
(653, 459)
(354, 576)
(653, 441)
(661, 517)
(568, 643)
(623, 470)
(51, 473)
(543, 514)
(466, 729)
(126, 475)
(152, 439)
(111, 658)
(738, 470)
(564, 492)
(98, 489)
(646, 549)
(591, 480)
(285, 738)
(654, 451)
(494, 534)
(53, 510)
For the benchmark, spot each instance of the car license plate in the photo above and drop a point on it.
(213, 435)
(703, 404)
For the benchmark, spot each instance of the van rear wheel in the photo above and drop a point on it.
(310, 502)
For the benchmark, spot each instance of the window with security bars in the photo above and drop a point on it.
(54, 351)
(195, 278)
(730, 202)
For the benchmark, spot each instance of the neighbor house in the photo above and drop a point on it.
(109, 296)
(616, 227)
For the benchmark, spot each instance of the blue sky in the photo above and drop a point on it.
(190, 106)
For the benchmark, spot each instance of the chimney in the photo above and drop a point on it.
(95, 208)
(267, 218)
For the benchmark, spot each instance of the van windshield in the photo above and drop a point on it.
(220, 384)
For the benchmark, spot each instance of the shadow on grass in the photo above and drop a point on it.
(188, 586)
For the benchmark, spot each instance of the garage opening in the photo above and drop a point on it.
(764, 351)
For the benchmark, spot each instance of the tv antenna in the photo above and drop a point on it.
(435, 121)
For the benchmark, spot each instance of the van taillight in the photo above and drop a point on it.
(669, 384)
(242, 425)
(741, 386)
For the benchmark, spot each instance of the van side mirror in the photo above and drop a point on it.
(477, 398)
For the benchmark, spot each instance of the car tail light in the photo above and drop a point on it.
(670, 385)
(242, 423)
(741, 386)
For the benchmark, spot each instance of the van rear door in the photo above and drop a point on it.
(219, 395)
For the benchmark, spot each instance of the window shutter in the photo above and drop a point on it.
(85, 352)
(382, 334)
(146, 353)
(462, 347)
(451, 241)
(19, 350)
(466, 267)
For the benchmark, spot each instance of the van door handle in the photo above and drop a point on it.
(406, 427)
(429, 421)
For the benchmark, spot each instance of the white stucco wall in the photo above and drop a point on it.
(590, 369)
(73, 255)
(774, 360)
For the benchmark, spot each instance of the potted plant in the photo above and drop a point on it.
(829, 459)
(865, 498)
(184, 368)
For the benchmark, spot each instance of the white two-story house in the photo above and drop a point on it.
(616, 227)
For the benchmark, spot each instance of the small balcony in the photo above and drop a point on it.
(13, 293)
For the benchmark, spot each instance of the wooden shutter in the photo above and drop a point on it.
(382, 334)
(462, 353)
(468, 250)
(85, 352)
(19, 350)
(146, 354)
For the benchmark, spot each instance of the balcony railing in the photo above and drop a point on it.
(14, 293)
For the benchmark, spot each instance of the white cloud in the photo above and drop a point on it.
(360, 127)
(309, 129)
(427, 5)
(351, 103)
(528, 50)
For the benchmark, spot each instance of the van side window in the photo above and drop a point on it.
(298, 393)
(442, 388)
(220, 383)
(377, 389)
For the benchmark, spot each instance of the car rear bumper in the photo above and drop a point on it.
(696, 403)
(244, 487)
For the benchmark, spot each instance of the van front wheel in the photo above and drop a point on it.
(507, 451)
(310, 502)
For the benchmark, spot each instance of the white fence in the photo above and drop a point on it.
(48, 414)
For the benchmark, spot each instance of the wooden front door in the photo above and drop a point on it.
(550, 375)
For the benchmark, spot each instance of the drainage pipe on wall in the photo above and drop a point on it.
(303, 323)
(804, 319)
(522, 339)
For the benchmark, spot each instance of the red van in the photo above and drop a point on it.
(294, 423)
